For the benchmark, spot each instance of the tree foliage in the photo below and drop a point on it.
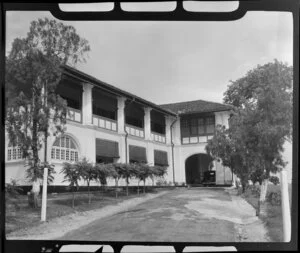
(260, 123)
(32, 74)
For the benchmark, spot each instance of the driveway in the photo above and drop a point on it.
(181, 215)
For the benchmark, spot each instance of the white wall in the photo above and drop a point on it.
(85, 136)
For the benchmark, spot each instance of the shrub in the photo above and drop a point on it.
(87, 172)
(71, 175)
(274, 180)
(274, 198)
(161, 182)
(12, 189)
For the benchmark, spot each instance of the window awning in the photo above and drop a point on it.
(137, 154)
(107, 148)
(161, 158)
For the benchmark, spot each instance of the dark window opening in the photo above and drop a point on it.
(158, 124)
(134, 121)
(134, 115)
(157, 128)
(104, 113)
(104, 105)
(71, 92)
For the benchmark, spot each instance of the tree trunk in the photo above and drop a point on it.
(243, 187)
(89, 193)
(262, 197)
(144, 186)
(116, 188)
(138, 187)
(127, 187)
(35, 193)
(263, 190)
(73, 200)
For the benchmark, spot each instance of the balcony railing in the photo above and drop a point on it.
(105, 123)
(196, 139)
(158, 137)
(135, 131)
(74, 115)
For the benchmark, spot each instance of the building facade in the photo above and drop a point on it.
(107, 124)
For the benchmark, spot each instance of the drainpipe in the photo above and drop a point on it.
(126, 133)
(172, 144)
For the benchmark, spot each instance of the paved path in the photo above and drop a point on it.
(182, 215)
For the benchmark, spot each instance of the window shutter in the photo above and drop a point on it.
(160, 158)
(107, 148)
(137, 153)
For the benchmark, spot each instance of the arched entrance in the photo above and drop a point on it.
(195, 166)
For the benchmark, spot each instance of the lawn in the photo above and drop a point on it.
(19, 215)
(273, 218)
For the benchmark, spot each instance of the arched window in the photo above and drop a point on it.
(14, 152)
(64, 149)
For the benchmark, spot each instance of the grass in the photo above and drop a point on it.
(273, 218)
(19, 215)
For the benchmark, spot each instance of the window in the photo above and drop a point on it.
(195, 128)
(210, 125)
(185, 131)
(64, 149)
(14, 153)
(201, 126)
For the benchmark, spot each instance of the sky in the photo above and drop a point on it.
(166, 62)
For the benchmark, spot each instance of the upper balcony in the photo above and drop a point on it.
(71, 91)
(134, 119)
(105, 107)
(197, 128)
(158, 127)
(93, 102)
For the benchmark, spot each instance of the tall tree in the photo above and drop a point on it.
(33, 109)
(262, 119)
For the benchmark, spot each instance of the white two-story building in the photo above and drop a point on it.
(107, 124)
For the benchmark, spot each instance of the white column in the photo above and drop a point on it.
(121, 114)
(44, 196)
(87, 107)
(121, 130)
(225, 119)
(218, 118)
(150, 153)
(285, 205)
(122, 150)
(168, 121)
(147, 123)
(176, 132)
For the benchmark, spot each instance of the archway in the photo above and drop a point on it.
(195, 167)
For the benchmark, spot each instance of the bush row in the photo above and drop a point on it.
(84, 170)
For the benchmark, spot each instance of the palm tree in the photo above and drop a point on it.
(71, 175)
(87, 172)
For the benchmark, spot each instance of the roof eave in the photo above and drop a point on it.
(87, 78)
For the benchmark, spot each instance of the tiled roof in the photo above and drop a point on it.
(196, 106)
